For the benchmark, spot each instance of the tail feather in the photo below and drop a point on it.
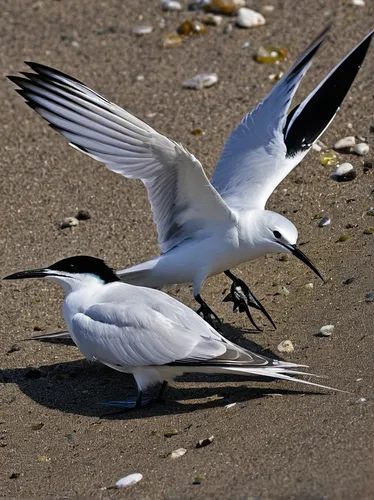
(279, 373)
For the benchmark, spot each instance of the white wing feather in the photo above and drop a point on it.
(182, 198)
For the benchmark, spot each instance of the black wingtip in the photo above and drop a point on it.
(314, 114)
(42, 69)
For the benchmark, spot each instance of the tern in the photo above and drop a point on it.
(144, 331)
(204, 227)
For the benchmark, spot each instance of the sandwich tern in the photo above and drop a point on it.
(204, 228)
(146, 332)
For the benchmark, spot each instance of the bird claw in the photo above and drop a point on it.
(243, 299)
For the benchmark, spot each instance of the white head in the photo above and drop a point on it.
(72, 273)
(278, 234)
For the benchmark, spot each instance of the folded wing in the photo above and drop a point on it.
(182, 198)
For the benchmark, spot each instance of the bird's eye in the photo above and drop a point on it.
(277, 234)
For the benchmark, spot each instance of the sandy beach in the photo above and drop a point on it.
(281, 440)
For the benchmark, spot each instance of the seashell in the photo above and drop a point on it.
(344, 173)
(204, 442)
(224, 6)
(69, 222)
(248, 18)
(178, 453)
(361, 149)
(326, 330)
(346, 143)
(170, 5)
(201, 80)
(143, 30)
(129, 480)
(325, 221)
(286, 346)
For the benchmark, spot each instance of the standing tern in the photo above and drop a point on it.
(204, 228)
(146, 332)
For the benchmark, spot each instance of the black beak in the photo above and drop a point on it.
(300, 255)
(32, 273)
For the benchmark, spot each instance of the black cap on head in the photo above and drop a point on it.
(83, 264)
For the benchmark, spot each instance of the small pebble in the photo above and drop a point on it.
(361, 149)
(284, 257)
(170, 433)
(369, 230)
(268, 8)
(205, 442)
(309, 286)
(286, 346)
(69, 222)
(198, 480)
(37, 426)
(344, 173)
(370, 211)
(223, 6)
(343, 237)
(202, 80)
(275, 77)
(212, 19)
(326, 330)
(348, 281)
(360, 401)
(14, 475)
(369, 297)
(358, 3)
(329, 158)
(170, 5)
(128, 480)
(171, 40)
(325, 221)
(44, 459)
(248, 18)
(282, 290)
(231, 405)
(143, 30)
(191, 27)
(83, 215)
(197, 131)
(347, 143)
(178, 453)
(268, 54)
(316, 147)
(368, 165)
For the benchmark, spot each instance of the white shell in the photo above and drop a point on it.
(342, 171)
(129, 480)
(143, 30)
(201, 80)
(171, 5)
(361, 149)
(316, 147)
(326, 330)
(325, 221)
(178, 453)
(230, 405)
(248, 18)
(359, 3)
(286, 346)
(345, 143)
(309, 286)
(69, 222)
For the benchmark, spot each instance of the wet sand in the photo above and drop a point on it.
(281, 440)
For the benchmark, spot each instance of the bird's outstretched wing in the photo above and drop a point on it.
(182, 198)
(268, 144)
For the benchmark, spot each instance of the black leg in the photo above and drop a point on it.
(243, 299)
(160, 396)
(206, 313)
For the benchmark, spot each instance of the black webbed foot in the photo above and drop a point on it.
(243, 299)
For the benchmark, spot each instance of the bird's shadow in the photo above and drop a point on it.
(78, 386)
